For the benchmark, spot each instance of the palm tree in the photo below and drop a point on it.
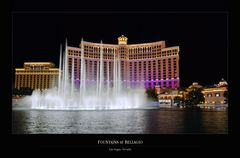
(15, 91)
(194, 97)
(25, 91)
(151, 94)
(178, 100)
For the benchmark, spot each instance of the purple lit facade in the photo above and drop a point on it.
(147, 64)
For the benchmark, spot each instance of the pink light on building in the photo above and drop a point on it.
(147, 64)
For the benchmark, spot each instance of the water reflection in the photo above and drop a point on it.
(220, 122)
(164, 121)
(118, 122)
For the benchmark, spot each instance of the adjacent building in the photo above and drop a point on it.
(195, 85)
(147, 64)
(166, 96)
(36, 75)
(215, 94)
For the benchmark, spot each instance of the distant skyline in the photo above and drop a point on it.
(202, 37)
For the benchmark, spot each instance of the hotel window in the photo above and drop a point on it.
(164, 84)
(154, 84)
(149, 84)
(164, 76)
(209, 95)
(217, 94)
(169, 84)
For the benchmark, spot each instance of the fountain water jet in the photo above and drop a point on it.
(100, 96)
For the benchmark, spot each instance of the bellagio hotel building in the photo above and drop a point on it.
(37, 75)
(150, 64)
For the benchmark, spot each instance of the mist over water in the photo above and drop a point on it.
(51, 100)
(109, 92)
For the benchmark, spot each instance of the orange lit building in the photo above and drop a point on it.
(36, 75)
(215, 95)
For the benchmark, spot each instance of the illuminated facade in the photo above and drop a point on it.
(215, 95)
(150, 64)
(36, 75)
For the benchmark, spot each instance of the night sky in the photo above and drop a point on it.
(202, 37)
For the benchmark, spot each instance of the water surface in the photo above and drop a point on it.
(133, 121)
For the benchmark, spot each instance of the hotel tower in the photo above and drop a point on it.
(147, 64)
(37, 75)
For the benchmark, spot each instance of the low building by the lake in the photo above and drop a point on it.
(215, 94)
(166, 96)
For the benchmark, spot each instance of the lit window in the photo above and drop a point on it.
(209, 95)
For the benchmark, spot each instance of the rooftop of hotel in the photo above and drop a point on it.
(36, 65)
(122, 40)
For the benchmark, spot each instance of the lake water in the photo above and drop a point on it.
(140, 121)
